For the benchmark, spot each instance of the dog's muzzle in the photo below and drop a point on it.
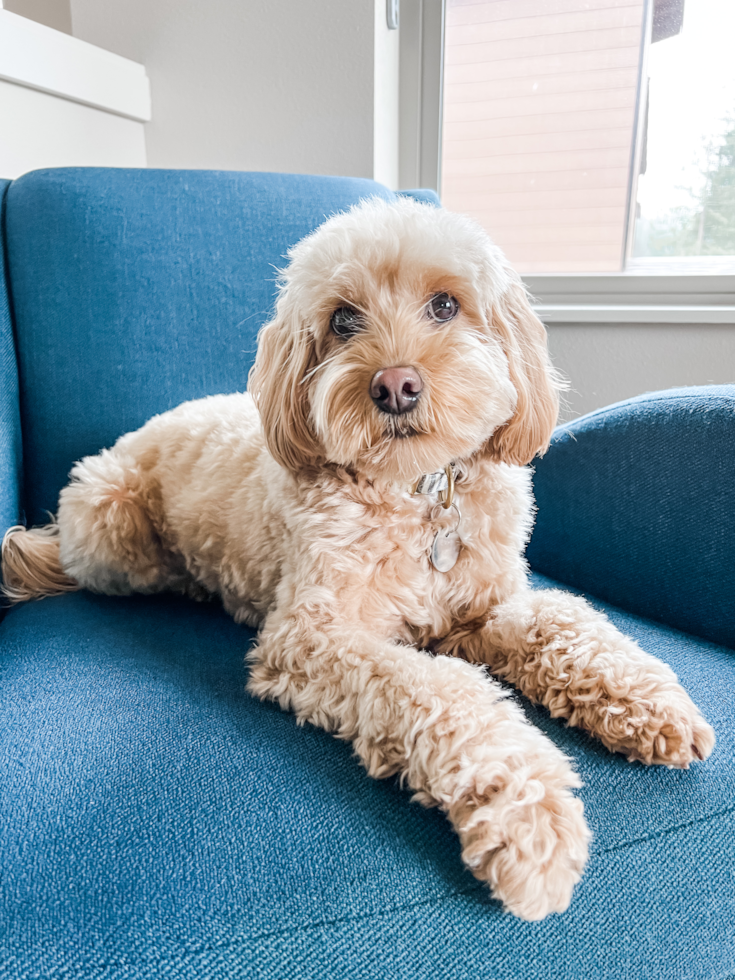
(396, 390)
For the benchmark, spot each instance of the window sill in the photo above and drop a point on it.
(596, 313)
(619, 297)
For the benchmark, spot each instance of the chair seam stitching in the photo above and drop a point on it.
(664, 833)
(245, 941)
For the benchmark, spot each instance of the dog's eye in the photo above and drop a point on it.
(345, 321)
(442, 307)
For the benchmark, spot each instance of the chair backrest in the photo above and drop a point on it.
(10, 441)
(636, 505)
(135, 290)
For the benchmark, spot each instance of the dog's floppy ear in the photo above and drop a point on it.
(277, 383)
(523, 337)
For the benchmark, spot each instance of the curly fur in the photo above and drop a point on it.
(293, 503)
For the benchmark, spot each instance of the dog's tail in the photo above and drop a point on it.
(31, 567)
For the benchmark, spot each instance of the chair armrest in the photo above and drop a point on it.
(636, 505)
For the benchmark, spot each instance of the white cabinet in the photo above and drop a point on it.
(64, 102)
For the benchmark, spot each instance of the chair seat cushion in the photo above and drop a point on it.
(158, 822)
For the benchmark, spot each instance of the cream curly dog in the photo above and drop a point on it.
(367, 508)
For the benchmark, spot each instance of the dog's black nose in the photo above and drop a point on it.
(396, 390)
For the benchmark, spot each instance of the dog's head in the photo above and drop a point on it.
(402, 341)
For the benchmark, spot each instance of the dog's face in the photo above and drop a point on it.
(401, 342)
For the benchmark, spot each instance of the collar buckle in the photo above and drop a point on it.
(441, 482)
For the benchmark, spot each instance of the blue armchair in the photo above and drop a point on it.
(156, 821)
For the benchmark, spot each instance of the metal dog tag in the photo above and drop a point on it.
(445, 550)
(447, 543)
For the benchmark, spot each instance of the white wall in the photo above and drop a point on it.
(52, 13)
(615, 336)
(283, 85)
(606, 363)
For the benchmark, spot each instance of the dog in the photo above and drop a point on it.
(366, 506)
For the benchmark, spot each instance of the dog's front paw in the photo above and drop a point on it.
(529, 846)
(665, 728)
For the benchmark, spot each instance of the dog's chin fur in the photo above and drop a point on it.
(293, 505)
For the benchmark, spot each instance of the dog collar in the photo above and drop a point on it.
(440, 481)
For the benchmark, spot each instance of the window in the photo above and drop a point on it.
(685, 203)
(556, 141)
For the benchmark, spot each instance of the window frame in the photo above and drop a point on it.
(421, 93)
(632, 297)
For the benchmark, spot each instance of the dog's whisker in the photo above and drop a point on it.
(322, 364)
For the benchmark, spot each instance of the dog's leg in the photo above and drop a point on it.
(563, 654)
(108, 541)
(448, 730)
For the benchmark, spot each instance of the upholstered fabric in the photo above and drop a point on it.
(135, 290)
(158, 822)
(636, 504)
(10, 442)
(155, 821)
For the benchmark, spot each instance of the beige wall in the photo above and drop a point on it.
(606, 363)
(539, 114)
(52, 13)
(248, 84)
